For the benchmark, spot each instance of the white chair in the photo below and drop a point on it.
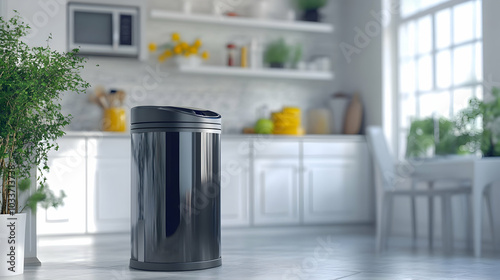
(390, 181)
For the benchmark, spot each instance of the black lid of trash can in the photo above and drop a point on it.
(173, 117)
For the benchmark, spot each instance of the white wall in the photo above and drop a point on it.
(360, 46)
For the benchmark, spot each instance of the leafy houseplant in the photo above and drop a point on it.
(310, 9)
(490, 112)
(277, 54)
(31, 81)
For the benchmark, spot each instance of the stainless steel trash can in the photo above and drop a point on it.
(175, 196)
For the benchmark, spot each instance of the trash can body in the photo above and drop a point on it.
(175, 199)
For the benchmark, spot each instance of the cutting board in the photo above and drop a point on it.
(354, 116)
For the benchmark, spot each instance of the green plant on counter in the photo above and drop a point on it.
(311, 4)
(31, 82)
(277, 53)
(489, 141)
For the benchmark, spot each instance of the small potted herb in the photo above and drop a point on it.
(31, 82)
(310, 9)
(277, 54)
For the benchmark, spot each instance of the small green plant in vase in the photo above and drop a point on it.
(31, 82)
(278, 53)
(310, 9)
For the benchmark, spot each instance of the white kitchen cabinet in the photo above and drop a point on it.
(264, 181)
(276, 168)
(235, 182)
(108, 185)
(336, 185)
(276, 191)
(67, 173)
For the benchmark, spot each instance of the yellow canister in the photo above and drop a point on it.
(114, 119)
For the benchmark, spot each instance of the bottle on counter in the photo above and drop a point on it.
(255, 54)
(244, 57)
(231, 54)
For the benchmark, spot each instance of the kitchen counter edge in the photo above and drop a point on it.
(334, 137)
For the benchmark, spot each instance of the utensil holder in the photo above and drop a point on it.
(114, 119)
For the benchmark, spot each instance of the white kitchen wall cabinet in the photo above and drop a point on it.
(108, 185)
(336, 186)
(276, 182)
(235, 182)
(67, 173)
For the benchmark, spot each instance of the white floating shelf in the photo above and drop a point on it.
(244, 22)
(257, 73)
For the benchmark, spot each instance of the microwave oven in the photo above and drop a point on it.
(103, 29)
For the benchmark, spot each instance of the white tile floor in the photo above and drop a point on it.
(270, 253)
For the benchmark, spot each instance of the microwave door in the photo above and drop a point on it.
(95, 29)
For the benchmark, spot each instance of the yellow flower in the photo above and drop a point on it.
(176, 37)
(178, 49)
(193, 50)
(152, 47)
(184, 45)
(205, 55)
(197, 43)
(167, 53)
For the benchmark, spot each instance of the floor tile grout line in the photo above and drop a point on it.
(343, 277)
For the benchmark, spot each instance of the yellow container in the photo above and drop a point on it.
(114, 119)
(288, 121)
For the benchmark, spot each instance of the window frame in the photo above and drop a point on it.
(395, 120)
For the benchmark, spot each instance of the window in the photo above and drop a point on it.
(439, 59)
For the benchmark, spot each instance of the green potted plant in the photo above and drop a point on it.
(277, 54)
(310, 9)
(489, 141)
(31, 81)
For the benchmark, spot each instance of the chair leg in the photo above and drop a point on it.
(468, 221)
(431, 217)
(487, 199)
(385, 222)
(447, 222)
(413, 217)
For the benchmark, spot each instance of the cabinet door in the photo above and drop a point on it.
(335, 191)
(108, 206)
(67, 173)
(276, 191)
(234, 192)
(235, 182)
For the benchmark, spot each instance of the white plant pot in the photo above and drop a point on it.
(12, 233)
(190, 61)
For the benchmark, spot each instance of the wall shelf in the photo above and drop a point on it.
(257, 73)
(299, 26)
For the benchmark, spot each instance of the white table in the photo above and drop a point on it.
(480, 171)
